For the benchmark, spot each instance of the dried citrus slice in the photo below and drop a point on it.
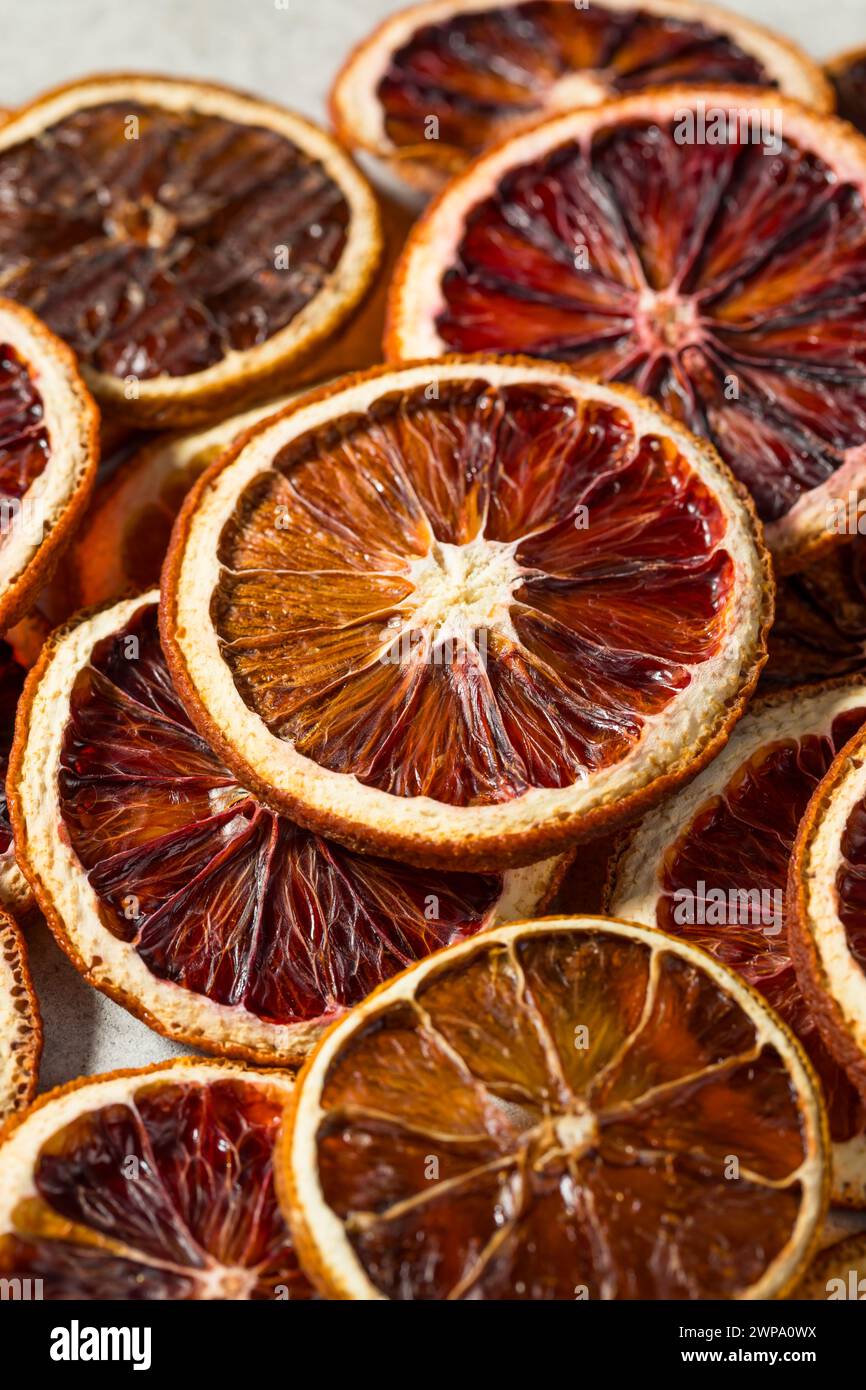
(20, 1025)
(48, 455)
(820, 625)
(177, 893)
(192, 244)
(828, 908)
(847, 75)
(837, 1273)
(711, 865)
(576, 1107)
(429, 611)
(150, 1184)
(659, 241)
(438, 82)
(14, 889)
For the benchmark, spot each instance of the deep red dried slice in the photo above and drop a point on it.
(724, 279)
(438, 82)
(828, 909)
(432, 609)
(711, 865)
(848, 77)
(191, 244)
(151, 1184)
(574, 1141)
(176, 892)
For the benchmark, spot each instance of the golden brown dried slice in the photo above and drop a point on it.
(150, 1184)
(827, 904)
(837, 1273)
(176, 892)
(49, 450)
(438, 82)
(705, 245)
(711, 865)
(193, 245)
(464, 612)
(575, 1107)
(20, 1023)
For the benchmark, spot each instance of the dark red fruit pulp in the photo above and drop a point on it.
(218, 894)
(723, 280)
(151, 247)
(608, 617)
(180, 1178)
(12, 677)
(850, 85)
(480, 70)
(820, 625)
(741, 842)
(851, 883)
(24, 444)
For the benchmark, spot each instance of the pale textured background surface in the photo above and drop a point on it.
(287, 50)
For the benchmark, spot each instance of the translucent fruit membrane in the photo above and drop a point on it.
(24, 446)
(743, 838)
(472, 595)
(153, 252)
(216, 893)
(724, 280)
(168, 1194)
(820, 626)
(850, 85)
(485, 70)
(576, 1097)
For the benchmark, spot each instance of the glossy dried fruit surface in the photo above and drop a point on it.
(161, 1190)
(24, 444)
(573, 1143)
(721, 278)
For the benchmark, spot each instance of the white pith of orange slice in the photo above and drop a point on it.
(41, 520)
(420, 828)
(347, 1162)
(829, 964)
(20, 1024)
(637, 887)
(182, 1251)
(358, 115)
(240, 375)
(80, 916)
(809, 526)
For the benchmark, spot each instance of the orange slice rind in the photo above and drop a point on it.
(20, 1025)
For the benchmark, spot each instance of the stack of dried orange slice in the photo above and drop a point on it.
(372, 674)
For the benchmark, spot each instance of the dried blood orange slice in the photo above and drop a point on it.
(819, 629)
(48, 454)
(575, 1107)
(438, 82)
(122, 543)
(711, 865)
(847, 75)
(150, 1184)
(429, 611)
(837, 1273)
(828, 917)
(14, 889)
(721, 278)
(177, 893)
(192, 244)
(20, 1025)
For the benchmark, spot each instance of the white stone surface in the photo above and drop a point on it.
(287, 50)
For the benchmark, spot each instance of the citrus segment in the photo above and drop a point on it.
(177, 892)
(190, 243)
(572, 1143)
(48, 455)
(718, 274)
(438, 82)
(20, 1024)
(439, 609)
(828, 924)
(152, 1184)
(711, 865)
